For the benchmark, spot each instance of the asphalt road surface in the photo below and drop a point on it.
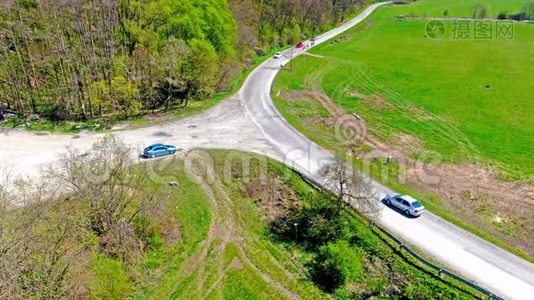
(492, 267)
(250, 122)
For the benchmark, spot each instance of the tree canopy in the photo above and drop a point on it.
(75, 60)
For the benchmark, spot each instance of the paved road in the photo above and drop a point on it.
(486, 264)
(253, 124)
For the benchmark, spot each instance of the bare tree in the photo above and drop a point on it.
(104, 181)
(350, 187)
(33, 257)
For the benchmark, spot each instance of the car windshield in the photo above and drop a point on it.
(416, 204)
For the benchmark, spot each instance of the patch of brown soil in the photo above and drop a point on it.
(408, 144)
(374, 100)
(236, 264)
(271, 195)
(505, 209)
(475, 193)
(295, 96)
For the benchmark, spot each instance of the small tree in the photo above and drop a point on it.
(104, 182)
(349, 186)
(35, 248)
(172, 85)
(326, 271)
(314, 224)
(201, 69)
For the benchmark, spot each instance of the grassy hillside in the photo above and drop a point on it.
(239, 257)
(229, 256)
(201, 229)
(463, 98)
(463, 8)
(463, 104)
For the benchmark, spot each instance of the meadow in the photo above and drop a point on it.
(462, 8)
(464, 104)
(227, 250)
(469, 99)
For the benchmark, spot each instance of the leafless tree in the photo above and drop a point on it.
(33, 258)
(350, 187)
(104, 181)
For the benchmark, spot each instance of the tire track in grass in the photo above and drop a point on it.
(364, 83)
(225, 229)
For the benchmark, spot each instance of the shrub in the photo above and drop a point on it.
(480, 12)
(56, 112)
(502, 15)
(317, 223)
(335, 264)
(110, 280)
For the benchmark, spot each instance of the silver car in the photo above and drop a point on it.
(405, 203)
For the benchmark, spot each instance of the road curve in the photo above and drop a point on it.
(492, 267)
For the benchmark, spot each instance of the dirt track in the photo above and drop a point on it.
(223, 126)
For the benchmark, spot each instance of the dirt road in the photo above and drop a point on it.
(224, 126)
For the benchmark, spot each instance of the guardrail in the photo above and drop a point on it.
(441, 271)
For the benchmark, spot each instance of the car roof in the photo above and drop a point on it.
(155, 145)
(409, 198)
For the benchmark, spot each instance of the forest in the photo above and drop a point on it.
(72, 60)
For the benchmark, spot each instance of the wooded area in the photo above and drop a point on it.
(79, 59)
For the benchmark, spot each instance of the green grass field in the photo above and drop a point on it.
(208, 264)
(461, 8)
(469, 100)
(226, 250)
(466, 101)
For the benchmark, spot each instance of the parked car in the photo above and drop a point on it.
(406, 204)
(277, 55)
(158, 150)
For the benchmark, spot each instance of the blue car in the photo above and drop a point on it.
(158, 150)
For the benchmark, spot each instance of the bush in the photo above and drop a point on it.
(480, 12)
(335, 264)
(326, 272)
(110, 280)
(56, 112)
(317, 223)
(517, 17)
(502, 15)
(27, 4)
